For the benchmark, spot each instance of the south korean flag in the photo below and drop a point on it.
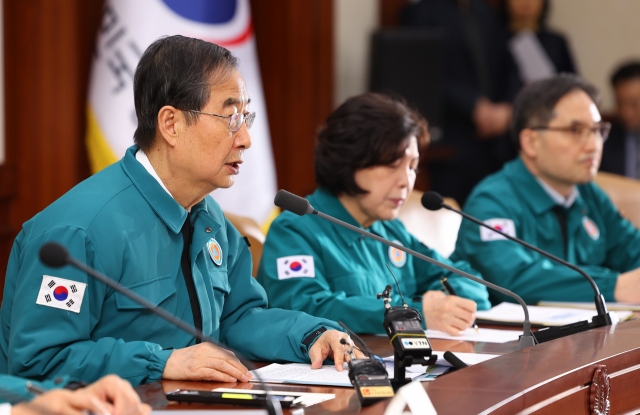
(60, 293)
(296, 266)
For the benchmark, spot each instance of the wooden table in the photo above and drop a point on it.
(550, 378)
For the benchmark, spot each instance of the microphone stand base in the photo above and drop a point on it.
(400, 366)
(602, 320)
(552, 333)
(397, 384)
(526, 341)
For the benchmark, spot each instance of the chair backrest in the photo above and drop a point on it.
(624, 193)
(438, 230)
(251, 230)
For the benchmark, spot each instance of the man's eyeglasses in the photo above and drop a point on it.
(581, 132)
(235, 120)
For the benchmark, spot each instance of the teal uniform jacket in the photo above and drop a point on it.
(599, 240)
(14, 390)
(349, 269)
(121, 222)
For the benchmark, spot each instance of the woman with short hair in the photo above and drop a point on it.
(365, 165)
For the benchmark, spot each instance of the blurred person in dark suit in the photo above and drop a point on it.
(621, 154)
(538, 51)
(480, 83)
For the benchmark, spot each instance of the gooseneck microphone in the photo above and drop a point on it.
(433, 201)
(55, 255)
(301, 206)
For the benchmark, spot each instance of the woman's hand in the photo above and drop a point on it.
(448, 313)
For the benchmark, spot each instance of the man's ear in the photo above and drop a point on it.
(529, 142)
(170, 122)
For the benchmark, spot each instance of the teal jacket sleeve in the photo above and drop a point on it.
(14, 389)
(249, 327)
(315, 296)
(428, 276)
(623, 245)
(510, 265)
(45, 342)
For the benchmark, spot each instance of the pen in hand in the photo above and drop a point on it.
(35, 390)
(448, 289)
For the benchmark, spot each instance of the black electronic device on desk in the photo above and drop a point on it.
(410, 344)
(368, 376)
(241, 397)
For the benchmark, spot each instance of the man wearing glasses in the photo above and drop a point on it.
(148, 222)
(547, 197)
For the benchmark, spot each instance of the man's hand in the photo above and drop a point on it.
(628, 287)
(448, 313)
(108, 396)
(328, 345)
(205, 361)
(491, 120)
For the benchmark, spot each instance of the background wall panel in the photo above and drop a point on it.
(47, 50)
(295, 49)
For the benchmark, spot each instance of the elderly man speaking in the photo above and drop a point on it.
(148, 223)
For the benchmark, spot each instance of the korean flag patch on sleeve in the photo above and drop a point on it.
(505, 225)
(296, 266)
(60, 293)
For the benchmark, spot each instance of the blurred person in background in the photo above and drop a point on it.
(480, 83)
(365, 165)
(538, 52)
(621, 154)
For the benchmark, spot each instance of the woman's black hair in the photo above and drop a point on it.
(365, 131)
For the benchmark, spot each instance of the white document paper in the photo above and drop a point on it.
(427, 373)
(301, 373)
(611, 306)
(546, 316)
(482, 335)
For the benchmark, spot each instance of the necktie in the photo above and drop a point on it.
(187, 235)
(561, 215)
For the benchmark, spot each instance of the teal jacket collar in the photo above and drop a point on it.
(530, 191)
(325, 202)
(168, 210)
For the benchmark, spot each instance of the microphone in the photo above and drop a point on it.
(301, 206)
(454, 360)
(55, 255)
(433, 201)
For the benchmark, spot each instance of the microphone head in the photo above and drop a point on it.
(54, 255)
(292, 203)
(432, 200)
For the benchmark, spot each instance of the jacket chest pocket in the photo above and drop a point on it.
(219, 282)
(353, 284)
(155, 290)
